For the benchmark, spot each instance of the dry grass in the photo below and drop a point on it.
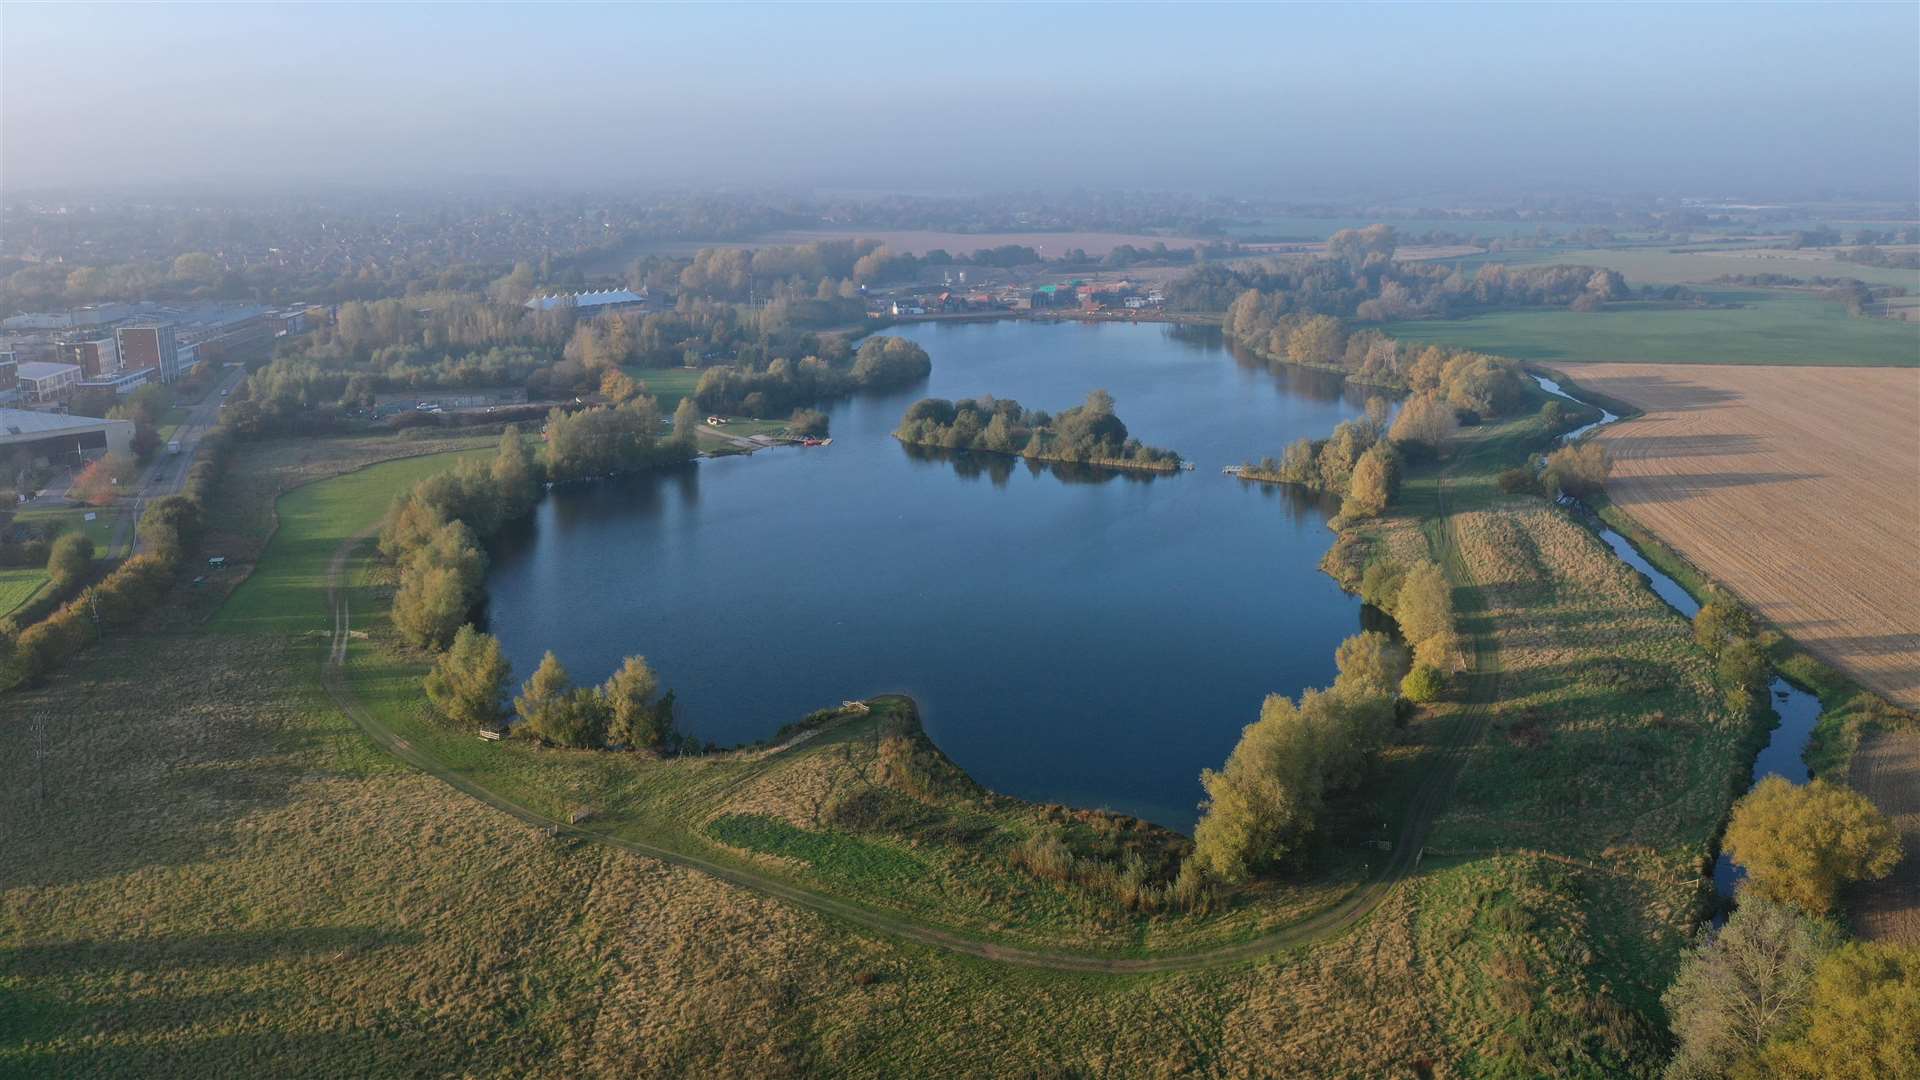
(1799, 488)
(1886, 769)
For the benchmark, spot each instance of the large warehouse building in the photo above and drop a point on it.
(63, 438)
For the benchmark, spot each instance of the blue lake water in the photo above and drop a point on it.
(1089, 638)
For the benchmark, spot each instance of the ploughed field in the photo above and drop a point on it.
(1797, 487)
(1886, 769)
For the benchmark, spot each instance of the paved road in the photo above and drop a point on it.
(1435, 791)
(168, 472)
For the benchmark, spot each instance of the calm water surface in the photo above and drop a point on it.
(1095, 639)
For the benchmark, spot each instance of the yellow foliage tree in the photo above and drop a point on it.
(1801, 843)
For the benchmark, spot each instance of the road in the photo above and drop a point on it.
(168, 473)
(1429, 801)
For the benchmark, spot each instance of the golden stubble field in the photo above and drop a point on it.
(1799, 488)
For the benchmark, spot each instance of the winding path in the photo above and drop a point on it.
(1427, 803)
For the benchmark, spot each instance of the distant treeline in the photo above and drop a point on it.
(1087, 434)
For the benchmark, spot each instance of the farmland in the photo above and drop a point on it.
(1799, 488)
(1770, 326)
(1886, 769)
(1699, 265)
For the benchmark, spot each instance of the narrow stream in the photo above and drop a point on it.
(1797, 710)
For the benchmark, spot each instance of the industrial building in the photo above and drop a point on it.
(42, 383)
(590, 303)
(57, 438)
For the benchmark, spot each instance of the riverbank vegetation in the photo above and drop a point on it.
(1087, 434)
(781, 386)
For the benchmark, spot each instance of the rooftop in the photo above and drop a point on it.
(40, 369)
(586, 299)
(14, 422)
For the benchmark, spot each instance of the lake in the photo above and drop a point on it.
(1090, 638)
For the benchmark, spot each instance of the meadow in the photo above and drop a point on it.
(1770, 326)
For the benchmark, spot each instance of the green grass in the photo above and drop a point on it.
(17, 586)
(1771, 327)
(667, 385)
(74, 519)
(285, 594)
(831, 854)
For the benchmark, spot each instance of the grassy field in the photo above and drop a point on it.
(1798, 488)
(1771, 327)
(17, 586)
(1700, 265)
(148, 925)
(74, 519)
(667, 385)
(277, 596)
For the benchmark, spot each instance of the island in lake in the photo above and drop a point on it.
(1087, 434)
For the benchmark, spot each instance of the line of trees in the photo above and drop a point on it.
(1266, 801)
(781, 386)
(1420, 599)
(168, 532)
(1087, 434)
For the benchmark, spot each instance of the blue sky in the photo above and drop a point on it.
(1314, 100)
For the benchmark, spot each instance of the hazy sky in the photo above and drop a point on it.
(1302, 100)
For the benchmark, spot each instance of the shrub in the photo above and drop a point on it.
(1423, 684)
(1517, 481)
(70, 560)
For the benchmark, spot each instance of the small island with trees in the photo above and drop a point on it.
(1087, 434)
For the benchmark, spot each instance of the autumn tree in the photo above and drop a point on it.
(469, 679)
(1424, 605)
(1371, 663)
(515, 474)
(1741, 986)
(1800, 843)
(635, 717)
(1579, 470)
(1267, 798)
(430, 606)
(1862, 1020)
(551, 708)
(1426, 423)
(1376, 478)
(70, 560)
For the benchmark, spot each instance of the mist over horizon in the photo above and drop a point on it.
(1418, 105)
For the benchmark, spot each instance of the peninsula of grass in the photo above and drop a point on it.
(1087, 434)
